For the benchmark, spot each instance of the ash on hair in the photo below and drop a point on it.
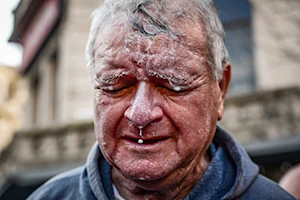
(152, 17)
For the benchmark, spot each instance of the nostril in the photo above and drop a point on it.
(142, 119)
(139, 116)
(157, 113)
(143, 110)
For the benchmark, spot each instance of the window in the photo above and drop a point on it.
(236, 18)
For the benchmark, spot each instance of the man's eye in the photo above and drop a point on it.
(113, 91)
(169, 86)
(176, 89)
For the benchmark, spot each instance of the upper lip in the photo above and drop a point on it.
(149, 134)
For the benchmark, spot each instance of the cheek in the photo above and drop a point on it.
(100, 100)
(108, 115)
(196, 110)
(103, 120)
(102, 106)
(195, 118)
(206, 116)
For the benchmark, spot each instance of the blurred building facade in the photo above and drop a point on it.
(53, 34)
(262, 110)
(13, 95)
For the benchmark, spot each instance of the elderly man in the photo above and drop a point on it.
(161, 72)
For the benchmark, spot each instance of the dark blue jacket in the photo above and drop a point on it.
(230, 175)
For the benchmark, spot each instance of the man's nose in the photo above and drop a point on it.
(143, 110)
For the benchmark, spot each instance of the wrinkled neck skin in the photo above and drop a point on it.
(161, 189)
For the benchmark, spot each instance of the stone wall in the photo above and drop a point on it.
(276, 35)
(263, 116)
(75, 91)
(45, 151)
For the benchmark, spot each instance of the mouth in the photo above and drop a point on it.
(146, 141)
(145, 146)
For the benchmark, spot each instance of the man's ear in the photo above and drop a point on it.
(223, 86)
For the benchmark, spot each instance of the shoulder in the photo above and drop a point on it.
(263, 188)
(62, 186)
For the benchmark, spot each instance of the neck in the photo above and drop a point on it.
(176, 185)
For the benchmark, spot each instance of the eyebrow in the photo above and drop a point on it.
(109, 78)
(172, 78)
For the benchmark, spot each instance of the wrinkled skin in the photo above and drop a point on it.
(164, 85)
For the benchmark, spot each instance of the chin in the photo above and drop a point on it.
(145, 170)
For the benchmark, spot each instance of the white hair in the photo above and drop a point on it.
(129, 10)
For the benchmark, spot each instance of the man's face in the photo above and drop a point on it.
(163, 85)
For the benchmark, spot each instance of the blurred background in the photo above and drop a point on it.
(46, 101)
